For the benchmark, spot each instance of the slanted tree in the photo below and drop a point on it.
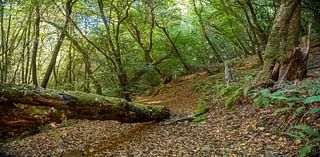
(198, 12)
(68, 10)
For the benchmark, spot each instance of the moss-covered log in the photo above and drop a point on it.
(79, 105)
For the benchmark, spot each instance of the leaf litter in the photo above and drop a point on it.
(233, 132)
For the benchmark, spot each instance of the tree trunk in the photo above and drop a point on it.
(113, 44)
(35, 47)
(58, 45)
(86, 60)
(184, 63)
(2, 64)
(205, 34)
(80, 105)
(26, 107)
(282, 36)
(293, 68)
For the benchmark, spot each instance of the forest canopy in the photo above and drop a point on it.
(121, 47)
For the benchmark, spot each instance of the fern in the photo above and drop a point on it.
(233, 98)
(265, 102)
(281, 110)
(307, 134)
(306, 150)
(307, 130)
(200, 119)
(312, 99)
(314, 110)
(246, 91)
(202, 109)
(298, 111)
(296, 105)
(294, 99)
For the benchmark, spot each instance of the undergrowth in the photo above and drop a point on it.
(298, 103)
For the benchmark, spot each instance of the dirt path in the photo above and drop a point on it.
(227, 133)
(179, 95)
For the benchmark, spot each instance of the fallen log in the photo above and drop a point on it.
(79, 105)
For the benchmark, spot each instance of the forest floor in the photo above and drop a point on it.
(227, 132)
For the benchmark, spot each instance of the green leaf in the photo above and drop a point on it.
(306, 150)
(261, 102)
(290, 91)
(295, 99)
(312, 99)
(302, 136)
(265, 92)
(298, 111)
(314, 110)
(202, 109)
(315, 91)
(302, 127)
(279, 97)
(315, 140)
(233, 98)
(291, 135)
(280, 110)
(200, 119)
(245, 91)
(226, 91)
(307, 129)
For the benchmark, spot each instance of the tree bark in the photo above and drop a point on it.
(79, 105)
(172, 43)
(113, 43)
(280, 40)
(2, 48)
(35, 47)
(85, 55)
(24, 108)
(58, 46)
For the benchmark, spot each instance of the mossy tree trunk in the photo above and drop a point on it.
(284, 36)
(77, 105)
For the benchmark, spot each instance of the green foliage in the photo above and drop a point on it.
(296, 102)
(265, 98)
(314, 110)
(233, 97)
(310, 136)
(282, 110)
(305, 150)
(311, 99)
(202, 107)
(200, 119)
(200, 110)
(214, 87)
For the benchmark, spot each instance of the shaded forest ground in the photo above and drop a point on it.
(238, 131)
